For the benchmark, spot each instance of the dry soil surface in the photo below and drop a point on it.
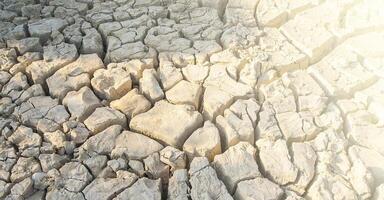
(192, 99)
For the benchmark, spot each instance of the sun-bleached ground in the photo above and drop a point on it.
(192, 99)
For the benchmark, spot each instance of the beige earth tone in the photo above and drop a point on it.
(192, 99)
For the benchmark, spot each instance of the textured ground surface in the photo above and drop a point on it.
(192, 99)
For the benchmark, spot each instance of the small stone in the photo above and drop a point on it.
(280, 169)
(92, 43)
(195, 73)
(26, 45)
(74, 76)
(103, 142)
(215, 101)
(96, 164)
(118, 164)
(178, 187)
(130, 145)
(144, 188)
(16, 84)
(24, 168)
(46, 148)
(63, 194)
(173, 157)
(137, 167)
(8, 58)
(60, 55)
(240, 36)
(25, 138)
(304, 157)
(31, 11)
(297, 127)
(149, 86)
(204, 142)
(155, 168)
(23, 188)
(4, 77)
(42, 180)
(5, 188)
(81, 103)
(78, 134)
(156, 123)
(52, 161)
(6, 106)
(204, 181)
(52, 121)
(33, 91)
(237, 163)
(330, 184)
(101, 188)
(165, 39)
(14, 32)
(268, 127)
(258, 189)
(131, 104)
(104, 117)
(112, 83)
(136, 50)
(74, 176)
(56, 138)
(44, 27)
(134, 67)
(27, 58)
(169, 75)
(237, 123)
(185, 92)
(55, 57)
(126, 175)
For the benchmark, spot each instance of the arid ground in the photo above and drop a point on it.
(192, 99)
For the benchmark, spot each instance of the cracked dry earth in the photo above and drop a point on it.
(192, 99)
